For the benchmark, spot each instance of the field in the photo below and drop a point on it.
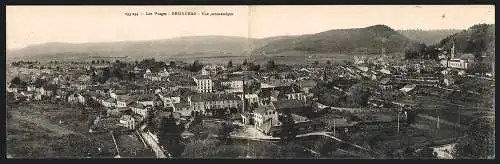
(306, 147)
(130, 145)
(44, 130)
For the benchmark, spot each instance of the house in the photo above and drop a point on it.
(408, 88)
(204, 83)
(234, 84)
(252, 99)
(384, 84)
(307, 85)
(124, 101)
(79, 85)
(139, 109)
(340, 124)
(109, 102)
(448, 80)
(170, 98)
(28, 95)
(290, 105)
(185, 110)
(119, 93)
(50, 90)
(127, 121)
(262, 114)
(164, 73)
(31, 87)
(151, 100)
(291, 93)
(212, 69)
(268, 95)
(76, 98)
(177, 82)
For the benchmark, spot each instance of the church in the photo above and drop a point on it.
(464, 62)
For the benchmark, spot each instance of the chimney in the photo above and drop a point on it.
(453, 51)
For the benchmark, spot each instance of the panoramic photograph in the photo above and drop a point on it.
(251, 82)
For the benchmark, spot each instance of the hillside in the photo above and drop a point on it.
(477, 40)
(427, 37)
(359, 40)
(183, 46)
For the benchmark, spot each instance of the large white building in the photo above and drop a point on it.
(234, 84)
(204, 83)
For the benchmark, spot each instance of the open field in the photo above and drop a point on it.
(34, 131)
(130, 145)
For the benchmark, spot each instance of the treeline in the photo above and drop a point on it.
(22, 62)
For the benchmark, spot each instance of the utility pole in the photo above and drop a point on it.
(334, 128)
(438, 122)
(398, 120)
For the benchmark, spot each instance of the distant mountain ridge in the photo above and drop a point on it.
(368, 40)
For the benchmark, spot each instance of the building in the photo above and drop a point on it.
(127, 121)
(208, 101)
(76, 98)
(465, 61)
(169, 98)
(212, 70)
(185, 110)
(307, 85)
(264, 114)
(234, 84)
(252, 98)
(139, 109)
(204, 84)
(151, 100)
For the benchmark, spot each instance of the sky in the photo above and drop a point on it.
(28, 25)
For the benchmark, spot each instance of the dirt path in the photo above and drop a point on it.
(43, 123)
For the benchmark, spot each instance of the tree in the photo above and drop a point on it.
(316, 63)
(196, 66)
(230, 64)
(17, 81)
(169, 136)
(414, 50)
(358, 94)
(245, 62)
(93, 61)
(328, 62)
(196, 125)
(271, 65)
(479, 140)
(288, 131)
(426, 153)
(172, 64)
(225, 132)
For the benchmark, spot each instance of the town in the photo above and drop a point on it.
(373, 106)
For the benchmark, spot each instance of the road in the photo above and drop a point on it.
(152, 143)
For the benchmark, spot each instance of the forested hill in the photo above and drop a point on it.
(357, 40)
(428, 37)
(478, 40)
